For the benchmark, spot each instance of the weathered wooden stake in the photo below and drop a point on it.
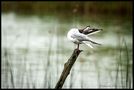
(67, 67)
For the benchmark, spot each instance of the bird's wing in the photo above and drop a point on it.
(84, 30)
(80, 37)
(91, 31)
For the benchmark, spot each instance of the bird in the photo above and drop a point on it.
(81, 36)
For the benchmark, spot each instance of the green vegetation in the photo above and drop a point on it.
(78, 7)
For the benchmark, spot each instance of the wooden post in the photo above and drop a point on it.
(67, 67)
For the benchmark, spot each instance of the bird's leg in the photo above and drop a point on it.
(78, 46)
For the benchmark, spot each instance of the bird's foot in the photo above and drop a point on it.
(77, 49)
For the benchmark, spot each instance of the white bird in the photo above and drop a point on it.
(80, 36)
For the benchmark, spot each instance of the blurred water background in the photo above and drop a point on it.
(35, 47)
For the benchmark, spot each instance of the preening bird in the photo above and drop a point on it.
(81, 36)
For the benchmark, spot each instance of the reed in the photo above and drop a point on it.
(127, 65)
(117, 74)
(47, 68)
(11, 73)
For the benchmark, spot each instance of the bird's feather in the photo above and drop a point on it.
(88, 44)
(80, 36)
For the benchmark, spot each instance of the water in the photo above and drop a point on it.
(34, 50)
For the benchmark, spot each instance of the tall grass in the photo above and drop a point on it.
(71, 78)
(8, 70)
(98, 73)
(118, 62)
(123, 65)
(11, 73)
(81, 66)
(128, 79)
(47, 80)
(57, 50)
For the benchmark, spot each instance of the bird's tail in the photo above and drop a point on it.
(88, 44)
(93, 42)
